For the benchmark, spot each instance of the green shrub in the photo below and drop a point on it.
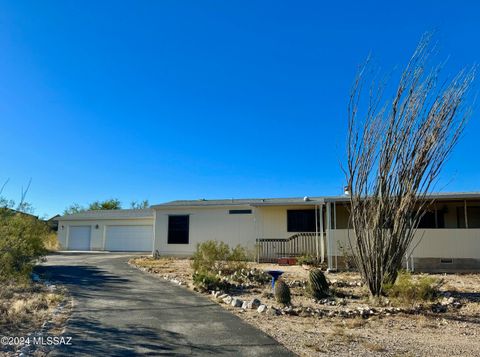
(409, 290)
(317, 284)
(282, 293)
(22, 243)
(214, 257)
(307, 260)
(208, 281)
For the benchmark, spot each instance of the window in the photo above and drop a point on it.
(301, 220)
(473, 217)
(430, 221)
(240, 211)
(178, 227)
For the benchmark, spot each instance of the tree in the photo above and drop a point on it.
(112, 203)
(395, 153)
(139, 204)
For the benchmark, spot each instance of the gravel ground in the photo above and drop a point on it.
(454, 333)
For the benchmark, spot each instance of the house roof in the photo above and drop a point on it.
(243, 202)
(295, 201)
(108, 214)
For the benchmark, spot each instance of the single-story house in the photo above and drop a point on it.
(448, 238)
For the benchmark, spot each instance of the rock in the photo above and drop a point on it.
(272, 311)
(222, 296)
(447, 301)
(262, 308)
(253, 304)
(236, 302)
(228, 300)
(439, 308)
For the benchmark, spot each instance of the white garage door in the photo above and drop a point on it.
(79, 238)
(129, 238)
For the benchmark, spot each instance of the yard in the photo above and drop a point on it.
(348, 323)
(30, 310)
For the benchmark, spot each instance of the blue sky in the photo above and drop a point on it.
(164, 100)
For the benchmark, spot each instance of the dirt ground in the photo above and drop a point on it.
(455, 332)
(27, 309)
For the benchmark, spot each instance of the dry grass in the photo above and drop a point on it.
(23, 308)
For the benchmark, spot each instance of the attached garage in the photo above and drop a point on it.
(79, 237)
(130, 238)
(107, 230)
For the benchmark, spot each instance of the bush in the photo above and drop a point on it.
(22, 244)
(306, 260)
(409, 290)
(217, 257)
(208, 281)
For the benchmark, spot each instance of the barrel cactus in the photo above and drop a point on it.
(317, 284)
(282, 293)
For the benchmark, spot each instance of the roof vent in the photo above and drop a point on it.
(346, 190)
(306, 198)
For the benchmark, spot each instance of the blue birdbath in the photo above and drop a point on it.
(275, 275)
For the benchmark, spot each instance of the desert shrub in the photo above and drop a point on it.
(22, 243)
(307, 260)
(208, 281)
(317, 285)
(409, 290)
(282, 293)
(217, 257)
(51, 241)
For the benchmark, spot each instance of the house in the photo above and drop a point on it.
(448, 238)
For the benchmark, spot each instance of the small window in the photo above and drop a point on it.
(178, 227)
(446, 261)
(240, 211)
(301, 220)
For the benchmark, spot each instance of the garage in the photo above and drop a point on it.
(129, 238)
(79, 238)
(119, 230)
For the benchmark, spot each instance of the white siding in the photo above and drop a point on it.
(206, 224)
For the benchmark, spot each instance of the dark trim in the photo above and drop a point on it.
(240, 211)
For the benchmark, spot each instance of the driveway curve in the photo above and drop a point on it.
(121, 311)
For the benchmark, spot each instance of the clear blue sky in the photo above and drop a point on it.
(164, 100)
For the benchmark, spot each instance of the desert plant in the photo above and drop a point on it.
(307, 259)
(214, 257)
(282, 293)
(395, 153)
(406, 289)
(22, 243)
(208, 281)
(317, 284)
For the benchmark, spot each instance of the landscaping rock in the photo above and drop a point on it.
(273, 311)
(262, 308)
(236, 302)
(253, 304)
(245, 305)
(228, 300)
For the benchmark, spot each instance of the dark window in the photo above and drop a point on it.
(301, 220)
(473, 217)
(240, 211)
(178, 229)
(430, 221)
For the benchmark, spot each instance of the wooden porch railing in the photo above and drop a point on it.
(270, 249)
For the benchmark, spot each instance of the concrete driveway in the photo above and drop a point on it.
(121, 311)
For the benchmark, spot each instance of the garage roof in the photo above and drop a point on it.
(243, 202)
(108, 214)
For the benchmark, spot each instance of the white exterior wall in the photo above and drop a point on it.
(97, 236)
(436, 243)
(272, 221)
(206, 223)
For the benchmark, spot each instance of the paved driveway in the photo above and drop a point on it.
(121, 311)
